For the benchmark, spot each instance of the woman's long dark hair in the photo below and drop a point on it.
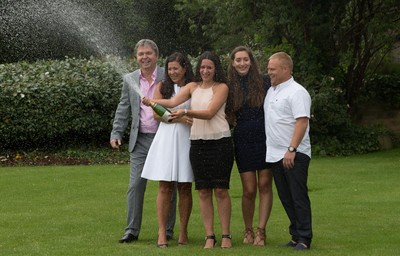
(256, 91)
(167, 86)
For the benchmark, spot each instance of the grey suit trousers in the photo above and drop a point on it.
(137, 188)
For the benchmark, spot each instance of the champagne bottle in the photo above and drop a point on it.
(161, 111)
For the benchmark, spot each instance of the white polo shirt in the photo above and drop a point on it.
(283, 104)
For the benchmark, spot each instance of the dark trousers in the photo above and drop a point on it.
(293, 192)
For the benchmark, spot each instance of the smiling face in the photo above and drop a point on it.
(146, 58)
(207, 70)
(241, 62)
(176, 72)
(278, 72)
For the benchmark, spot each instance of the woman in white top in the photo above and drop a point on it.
(168, 157)
(211, 151)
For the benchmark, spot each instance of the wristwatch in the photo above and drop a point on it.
(291, 149)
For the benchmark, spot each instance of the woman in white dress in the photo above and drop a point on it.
(168, 158)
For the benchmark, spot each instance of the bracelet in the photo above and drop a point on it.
(186, 111)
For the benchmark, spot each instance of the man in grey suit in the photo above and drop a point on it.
(141, 82)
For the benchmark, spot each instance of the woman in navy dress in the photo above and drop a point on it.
(247, 90)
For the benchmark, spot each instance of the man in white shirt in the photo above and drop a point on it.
(287, 112)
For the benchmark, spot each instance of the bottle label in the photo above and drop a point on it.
(165, 116)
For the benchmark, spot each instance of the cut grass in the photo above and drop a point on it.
(80, 210)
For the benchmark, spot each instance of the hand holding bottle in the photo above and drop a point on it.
(177, 114)
(162, 112)
(180, 115)
(146, 101)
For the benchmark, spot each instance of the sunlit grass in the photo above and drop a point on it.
(80, 210)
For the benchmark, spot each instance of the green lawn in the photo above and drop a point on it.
(80, 210)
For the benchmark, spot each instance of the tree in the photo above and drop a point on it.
(170, 30)
(328, 39)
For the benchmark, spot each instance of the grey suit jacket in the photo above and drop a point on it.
(129, 106)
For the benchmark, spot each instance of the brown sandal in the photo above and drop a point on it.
(248, 236)
(260, 237)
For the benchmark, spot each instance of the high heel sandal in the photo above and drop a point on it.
(248, 236)
(212, 237)
(229, 236)
(260, 237)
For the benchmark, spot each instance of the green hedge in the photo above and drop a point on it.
(57, 102)
(50, 104)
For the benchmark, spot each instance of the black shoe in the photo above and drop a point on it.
(301, 247)
(128, 238)
(291, 243)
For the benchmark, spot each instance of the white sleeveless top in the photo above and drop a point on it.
(213, 129)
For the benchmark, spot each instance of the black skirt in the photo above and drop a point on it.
(212, 162)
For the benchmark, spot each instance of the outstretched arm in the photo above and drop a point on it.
(179, 98)
(219, 98)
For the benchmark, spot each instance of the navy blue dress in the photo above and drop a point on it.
(249, 133)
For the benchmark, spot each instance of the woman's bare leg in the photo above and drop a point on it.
(224, 211)
(265, 204)
(163, 205)
(207, 214)
(185, 209)
(249, 188)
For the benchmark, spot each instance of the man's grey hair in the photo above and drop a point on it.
(147, 42)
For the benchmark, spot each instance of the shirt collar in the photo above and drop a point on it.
(284, 84)
(153, 75)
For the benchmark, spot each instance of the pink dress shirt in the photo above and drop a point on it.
(147, 122)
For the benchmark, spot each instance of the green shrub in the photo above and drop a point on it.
(332, 130)
(351, 139)
(53, 104)
(382, 88)
(57, 102)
